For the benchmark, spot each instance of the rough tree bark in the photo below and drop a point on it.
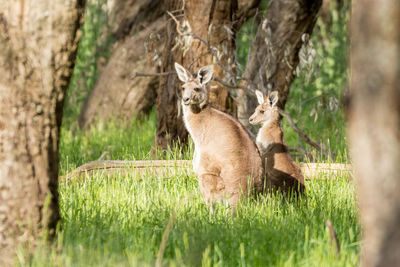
(374, 126)
(216, 23)
(274, 56)
(38, 41)
(139, 29)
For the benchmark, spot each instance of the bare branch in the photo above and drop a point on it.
(302, 151)
(303, 135)
(333, 236)
(178, 24)
(232, 86)
(104, 156)
(164, 239)
(139, 74)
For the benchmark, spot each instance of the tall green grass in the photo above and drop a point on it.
(120, 221)
(123, 141)
(120, 140)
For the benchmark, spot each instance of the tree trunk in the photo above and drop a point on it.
(274, 56)
(38, 41)
(139, 29)
(170, 126)
(215, 22)
(374, 126)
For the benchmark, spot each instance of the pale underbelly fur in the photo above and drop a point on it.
(196, 159)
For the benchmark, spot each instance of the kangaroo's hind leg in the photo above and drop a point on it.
(212, 188)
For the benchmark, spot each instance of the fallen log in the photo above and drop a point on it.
(169, 168)
(325, 170)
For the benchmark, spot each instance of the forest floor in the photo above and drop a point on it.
(120, 221)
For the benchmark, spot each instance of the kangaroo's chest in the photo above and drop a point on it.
(196, 128)
(263, 143)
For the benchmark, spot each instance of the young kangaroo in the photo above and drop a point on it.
(226, 160)
(280, 169)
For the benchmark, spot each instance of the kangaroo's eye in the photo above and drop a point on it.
(197, 89)
(262, 111)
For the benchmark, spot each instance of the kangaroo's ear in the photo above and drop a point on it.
(205, 74)
(260, 97)
(273, 98)
(183, 75)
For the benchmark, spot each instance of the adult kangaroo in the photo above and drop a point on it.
(281, 171)
(226, 160)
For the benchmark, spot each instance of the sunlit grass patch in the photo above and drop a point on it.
(120, 221)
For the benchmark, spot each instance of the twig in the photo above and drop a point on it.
(303, 135)
(139, 74)
(333, 236)
(301, 151)
(105, 155)
(164, 239)
(232, 86)
(313, 98)
(244, 79)
(168, 230)
(178, 24)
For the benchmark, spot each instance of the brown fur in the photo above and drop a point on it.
(226, 160)
(281, 171)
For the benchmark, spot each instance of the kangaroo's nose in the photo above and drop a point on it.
(185, 99)
(250, 119)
